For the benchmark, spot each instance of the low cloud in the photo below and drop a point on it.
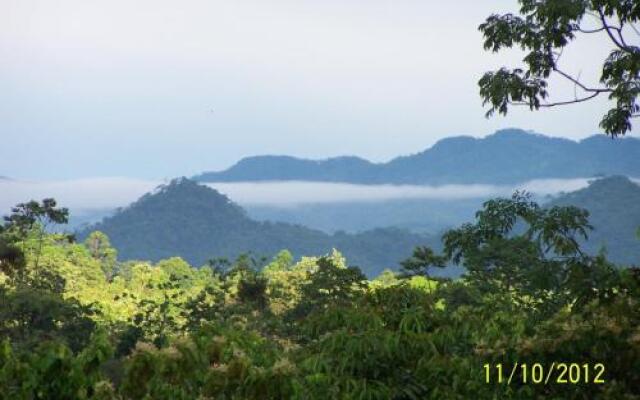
(80, 195)
(85, 196)
(294, 193)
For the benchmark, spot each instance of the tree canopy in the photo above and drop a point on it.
(315, 327)
(543, 29)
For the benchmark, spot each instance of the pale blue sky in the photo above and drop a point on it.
(126, 88)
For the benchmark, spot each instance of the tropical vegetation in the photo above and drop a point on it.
(76, 322)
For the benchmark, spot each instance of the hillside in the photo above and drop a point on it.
(507, 156)
(198, 223)
(614, 207)
(417, 215)
(265, 168)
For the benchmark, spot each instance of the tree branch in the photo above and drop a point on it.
(608, 29)
(559, 103)
(580, 84)
(562, 103)
(576, 81)
(619, 30)
(591, 30)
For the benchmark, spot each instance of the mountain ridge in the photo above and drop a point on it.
(457, 159)
(613, 204)
(198, 223)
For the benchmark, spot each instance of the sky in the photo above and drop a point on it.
(154, 89)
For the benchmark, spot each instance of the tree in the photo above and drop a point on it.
(156, 320)
(100, 248)
(12, 262)
(29, 315)
(205, 307)
(252, 290)
(25, 217)
(179, 269)
(281, 262)
(219, 265)
(387, 278)
(531, 255)
(330, 285)
(422, 260)
(543, 29)
(50, 370)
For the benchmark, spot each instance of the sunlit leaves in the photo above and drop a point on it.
(529, 295)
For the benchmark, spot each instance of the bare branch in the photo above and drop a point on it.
(580, 84)
(619, 30)
(609, 28)
(594, 15)
(558, 103)
(562, 103)
(576, 81)
(591, 30)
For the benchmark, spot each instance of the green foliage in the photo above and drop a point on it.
(25, 216)
(422, 259)
(31, 315)
(156, 319)
(330, 285)
(207, 306)
(51, 371)
(100, 249)
(614, 210)
(539, 265)
(24, 227)
(386, 279)
(316, 328)
(543, 30)
(252, 289)
(12, 259)
(197, 223)
(220, 362)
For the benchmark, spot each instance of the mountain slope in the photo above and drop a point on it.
(614, 207)
(198, 223)
(507, 156)
(417, 215)
(265, 168)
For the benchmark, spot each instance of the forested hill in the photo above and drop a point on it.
(507, 156)
(197, 223)
(264, 168)
(614, 207)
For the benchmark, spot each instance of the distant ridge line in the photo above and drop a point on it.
(505, 157)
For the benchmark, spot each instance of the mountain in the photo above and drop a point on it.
(614, 207)
(417, 215)
(197, 223)
(507, 156)
(265, 168)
